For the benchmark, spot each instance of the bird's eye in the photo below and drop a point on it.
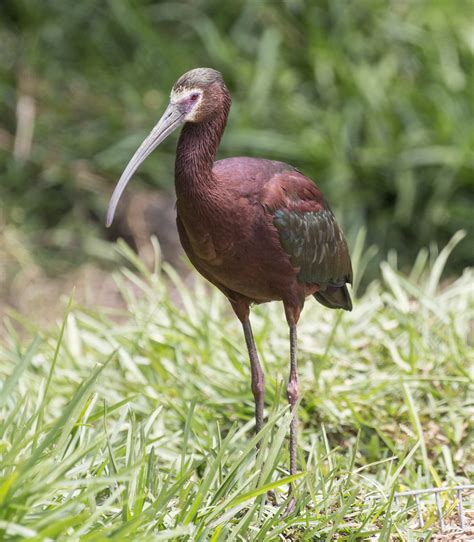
(194, 96)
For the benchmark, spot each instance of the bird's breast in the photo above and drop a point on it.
(203, 236)
(237, 248)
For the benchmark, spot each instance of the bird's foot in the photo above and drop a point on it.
(290, 508)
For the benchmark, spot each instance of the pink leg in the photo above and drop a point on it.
(241, 308)
(258, 381)
(292, 390)
(293, 394)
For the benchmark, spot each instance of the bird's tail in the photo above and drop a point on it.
(335, 297)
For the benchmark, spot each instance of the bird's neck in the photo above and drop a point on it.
(197, 148)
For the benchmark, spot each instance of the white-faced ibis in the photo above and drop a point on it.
(259, 230)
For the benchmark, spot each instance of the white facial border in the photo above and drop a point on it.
(181, 95)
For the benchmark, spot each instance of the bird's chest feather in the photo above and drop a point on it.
(209, 228)
(236, 247)
(225, 232)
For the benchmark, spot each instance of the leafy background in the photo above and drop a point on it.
(372, 99)
(133, 419)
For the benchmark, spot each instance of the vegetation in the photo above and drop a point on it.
(138, 425)
(370, 98)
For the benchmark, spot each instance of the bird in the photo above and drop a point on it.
(259, 230)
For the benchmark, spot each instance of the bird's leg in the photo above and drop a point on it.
(292, 390)
(242, 310)
(292, 393)
(258, 386)
(258, 382)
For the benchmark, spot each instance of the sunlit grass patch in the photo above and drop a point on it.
(138, 424)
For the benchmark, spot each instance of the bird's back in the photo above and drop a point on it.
(249, 174)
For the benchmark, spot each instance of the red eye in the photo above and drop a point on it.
(194, 97)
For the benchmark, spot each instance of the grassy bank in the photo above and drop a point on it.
(138, 424)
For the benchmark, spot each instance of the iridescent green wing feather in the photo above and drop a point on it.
(315, 244)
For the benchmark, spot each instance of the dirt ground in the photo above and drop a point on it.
(452, 531)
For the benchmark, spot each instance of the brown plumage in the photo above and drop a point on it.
(259, 230)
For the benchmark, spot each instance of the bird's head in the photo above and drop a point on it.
(195, 98)
(197, 93)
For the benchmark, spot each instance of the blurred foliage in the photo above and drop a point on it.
(371, 99)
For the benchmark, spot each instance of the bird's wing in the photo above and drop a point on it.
(307, 229)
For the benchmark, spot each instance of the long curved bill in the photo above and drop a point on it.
(171, 119)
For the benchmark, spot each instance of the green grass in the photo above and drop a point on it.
(138, 424)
